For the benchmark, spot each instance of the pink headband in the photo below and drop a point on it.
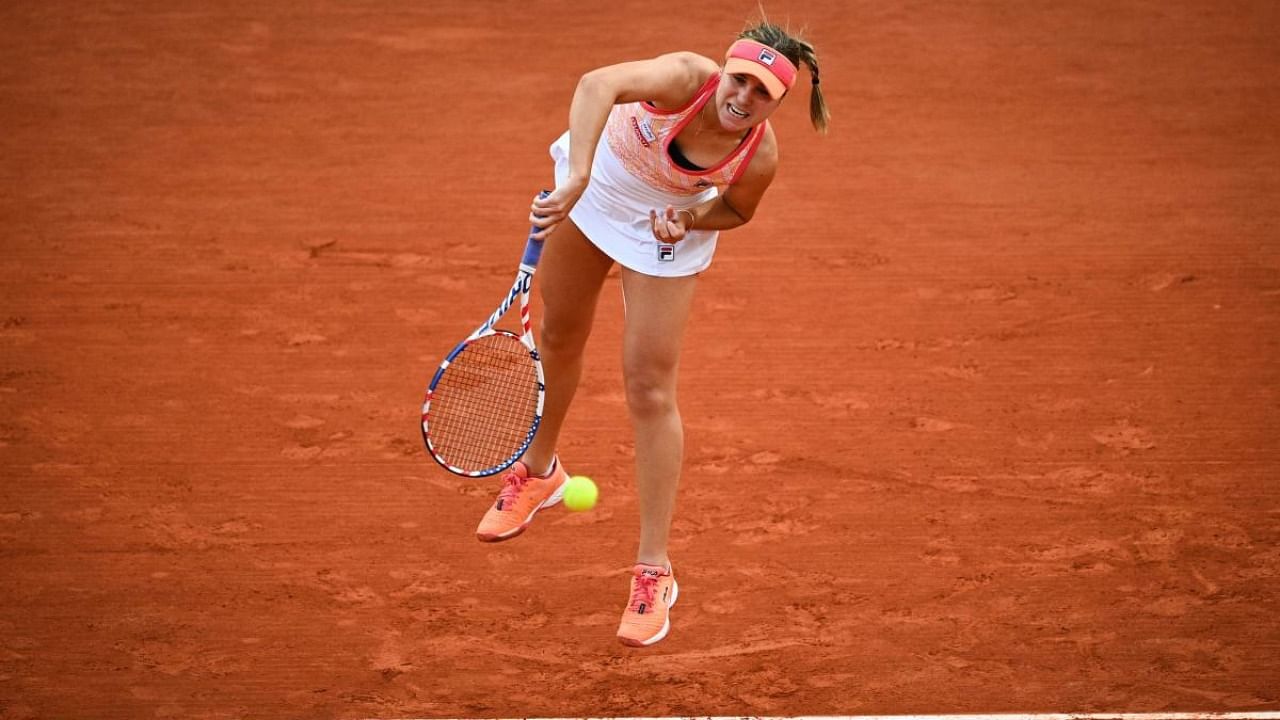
(763, 62)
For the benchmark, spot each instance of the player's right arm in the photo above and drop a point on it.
(667, 81)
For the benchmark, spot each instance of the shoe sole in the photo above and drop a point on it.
(666, 625)
(553, 499)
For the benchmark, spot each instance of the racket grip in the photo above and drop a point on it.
(532, 247)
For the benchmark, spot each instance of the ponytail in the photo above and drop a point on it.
(797, 51)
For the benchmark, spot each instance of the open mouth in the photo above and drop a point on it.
(736, 112)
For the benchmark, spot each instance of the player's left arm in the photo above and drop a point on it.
(737, 204)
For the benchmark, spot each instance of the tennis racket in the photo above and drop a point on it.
(484, 403)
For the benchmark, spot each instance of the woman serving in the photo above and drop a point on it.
(660, 156)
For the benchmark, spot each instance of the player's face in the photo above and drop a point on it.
(742, 102)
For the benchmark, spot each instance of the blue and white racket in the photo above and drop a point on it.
(484, 404)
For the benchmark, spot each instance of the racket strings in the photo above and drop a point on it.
(485, 404)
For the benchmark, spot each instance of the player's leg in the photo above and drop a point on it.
(570, 275)
(656, 312)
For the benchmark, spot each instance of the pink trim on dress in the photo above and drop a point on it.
(708, 85)
(704, 95)
(639, 136)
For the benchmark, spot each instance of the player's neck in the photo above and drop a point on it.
(708, 125)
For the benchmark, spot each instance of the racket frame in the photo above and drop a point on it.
(520, 291)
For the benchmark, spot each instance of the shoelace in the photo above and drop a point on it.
(645, 591)
(512, 485)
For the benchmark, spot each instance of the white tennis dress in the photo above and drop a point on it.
(633, 173)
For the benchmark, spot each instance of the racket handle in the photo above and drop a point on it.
(532, 247)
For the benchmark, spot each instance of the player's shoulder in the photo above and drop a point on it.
(697, 67)
(678, 76)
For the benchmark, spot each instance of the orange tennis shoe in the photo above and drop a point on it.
(647, 618)
(522, 496)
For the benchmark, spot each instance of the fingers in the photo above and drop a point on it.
(543, 225)
(545, 213)
(544, 233)
(544, 206)
(546, 224)
(667, 227)
(658, 226)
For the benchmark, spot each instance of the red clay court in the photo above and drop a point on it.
(982, 409)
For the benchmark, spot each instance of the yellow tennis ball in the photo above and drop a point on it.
(580, 493)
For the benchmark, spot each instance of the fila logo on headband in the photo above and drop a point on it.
(767, 57)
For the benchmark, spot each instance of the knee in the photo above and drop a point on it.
(651, 391)
(562, 338)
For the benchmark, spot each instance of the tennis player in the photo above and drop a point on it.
(660, 156)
